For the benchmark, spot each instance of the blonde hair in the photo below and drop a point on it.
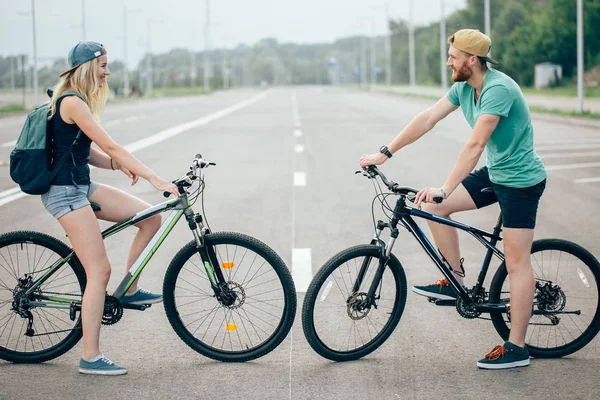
(83, 80)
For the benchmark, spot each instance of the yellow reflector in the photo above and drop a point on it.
(228, 264)
(231, 327)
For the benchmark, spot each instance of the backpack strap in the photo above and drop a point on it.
(61, 162)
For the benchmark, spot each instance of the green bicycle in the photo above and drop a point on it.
(227, 295)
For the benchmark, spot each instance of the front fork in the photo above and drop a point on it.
(386, 251)
(209, 259)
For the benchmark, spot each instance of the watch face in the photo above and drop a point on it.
(382, 149)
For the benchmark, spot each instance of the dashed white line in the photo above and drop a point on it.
(297, 132)
(588, 180)
(299, 148)
(299, 179)
(301, 269)
(9, 144)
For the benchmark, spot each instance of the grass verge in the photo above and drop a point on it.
(10, 108)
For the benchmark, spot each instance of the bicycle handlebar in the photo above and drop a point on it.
(372, 172)
(195, 170)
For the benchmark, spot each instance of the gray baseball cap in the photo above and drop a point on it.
(82, 53)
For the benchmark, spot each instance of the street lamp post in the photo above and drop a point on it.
(149, 66)
(207, 48)
(443, 55)
(35, 71)
(411, 45)
(83, 19)
(580, 66)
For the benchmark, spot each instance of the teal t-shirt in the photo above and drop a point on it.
(511, 159)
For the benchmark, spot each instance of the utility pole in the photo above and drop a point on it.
(35, 71)
(125, 71)
(363, 61)
(83, 19)
(443, 55)
(486, 20)
(411, 44)
(207, 48)
(580, 66)
(388, 47)
(12, 73)
(373, 55)
(149, 71)
(23, 57)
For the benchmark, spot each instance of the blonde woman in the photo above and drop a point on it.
(69, 197)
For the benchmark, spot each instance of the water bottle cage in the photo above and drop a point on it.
(457, 273)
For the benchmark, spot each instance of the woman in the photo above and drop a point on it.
(69, 197)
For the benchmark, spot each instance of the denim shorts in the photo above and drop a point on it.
(62, 199)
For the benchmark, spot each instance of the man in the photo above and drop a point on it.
(494, 106)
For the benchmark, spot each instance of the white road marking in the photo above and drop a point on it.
(297, 132)
(15, 193)
(299, 179)
(301, 269)
(588, 180)
(568, 141)
(299, 148)
(572, 166)
(569, 155)
(112, 123)
(555, 147)
(131, 119)
(9, 144)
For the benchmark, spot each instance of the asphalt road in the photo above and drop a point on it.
(310, 198)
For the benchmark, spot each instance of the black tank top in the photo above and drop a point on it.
(75, 170)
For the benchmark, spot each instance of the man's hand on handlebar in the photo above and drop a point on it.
(372, 159)
(429, 195)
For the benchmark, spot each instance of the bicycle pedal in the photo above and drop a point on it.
(439, 302)
(139, 307)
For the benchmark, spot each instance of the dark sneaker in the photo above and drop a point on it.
(438, 290)
(506, 356)
(100, 365)
(141, 296)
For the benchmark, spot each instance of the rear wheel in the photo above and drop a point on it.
(24, 258)
(335, 323)
(567, 294)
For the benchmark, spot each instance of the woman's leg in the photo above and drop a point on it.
(116, 206)
(84, 234)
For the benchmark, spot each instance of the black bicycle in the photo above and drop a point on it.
(227, 295)
(356, 299)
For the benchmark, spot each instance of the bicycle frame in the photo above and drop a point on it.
(404, 214)
(178, 207)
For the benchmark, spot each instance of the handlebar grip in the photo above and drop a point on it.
(166, 194)
(438, 200)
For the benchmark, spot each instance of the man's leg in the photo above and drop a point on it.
(444, 236)
(446, 239)
(517, 249)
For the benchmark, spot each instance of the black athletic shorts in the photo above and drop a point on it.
(518, 205)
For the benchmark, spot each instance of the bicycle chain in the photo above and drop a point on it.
(536, 323)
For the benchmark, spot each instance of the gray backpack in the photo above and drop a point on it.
(31, 162)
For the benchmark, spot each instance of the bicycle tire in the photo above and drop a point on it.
(587, 259)
(245, 352)
(26, 239)
(308, 309)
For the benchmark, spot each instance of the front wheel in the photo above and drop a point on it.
(336, 323)
(249, 327)
(566, 309)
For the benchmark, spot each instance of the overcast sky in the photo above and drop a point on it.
(179, 23)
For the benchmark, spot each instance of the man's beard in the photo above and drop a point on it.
(462, 75)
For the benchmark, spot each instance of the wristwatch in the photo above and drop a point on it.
(385, 151)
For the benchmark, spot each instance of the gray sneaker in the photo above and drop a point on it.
(141, 296)
(100, 366)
